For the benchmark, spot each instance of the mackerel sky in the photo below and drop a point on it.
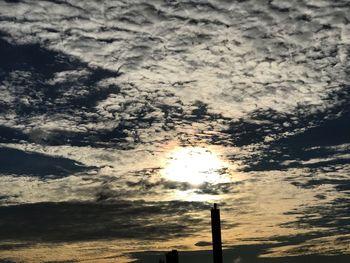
(99, 98)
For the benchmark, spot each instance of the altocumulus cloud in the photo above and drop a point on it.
(91, 90)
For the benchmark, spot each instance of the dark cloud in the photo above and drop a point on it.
(306, 139)
(203, 244)
(7, 261)
(11, 135)
(21, 163)
(217, 189)
(332, 215)
(313, 144)
(30, 70)
(64, 222)
(12, 246)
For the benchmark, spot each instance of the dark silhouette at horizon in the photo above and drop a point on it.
(172, 257)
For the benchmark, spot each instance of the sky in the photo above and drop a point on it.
(123, 121)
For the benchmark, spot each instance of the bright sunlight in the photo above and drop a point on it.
(194, 165)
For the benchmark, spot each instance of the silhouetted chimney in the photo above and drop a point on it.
(216, 234)
(172, 257)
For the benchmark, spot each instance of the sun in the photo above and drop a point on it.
(194, 165)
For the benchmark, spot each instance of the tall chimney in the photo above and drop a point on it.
(216, 234)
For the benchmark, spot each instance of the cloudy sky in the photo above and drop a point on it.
(123, 121)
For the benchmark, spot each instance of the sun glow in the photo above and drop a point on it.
(195, 165)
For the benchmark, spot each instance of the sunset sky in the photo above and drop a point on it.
(123, 121)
